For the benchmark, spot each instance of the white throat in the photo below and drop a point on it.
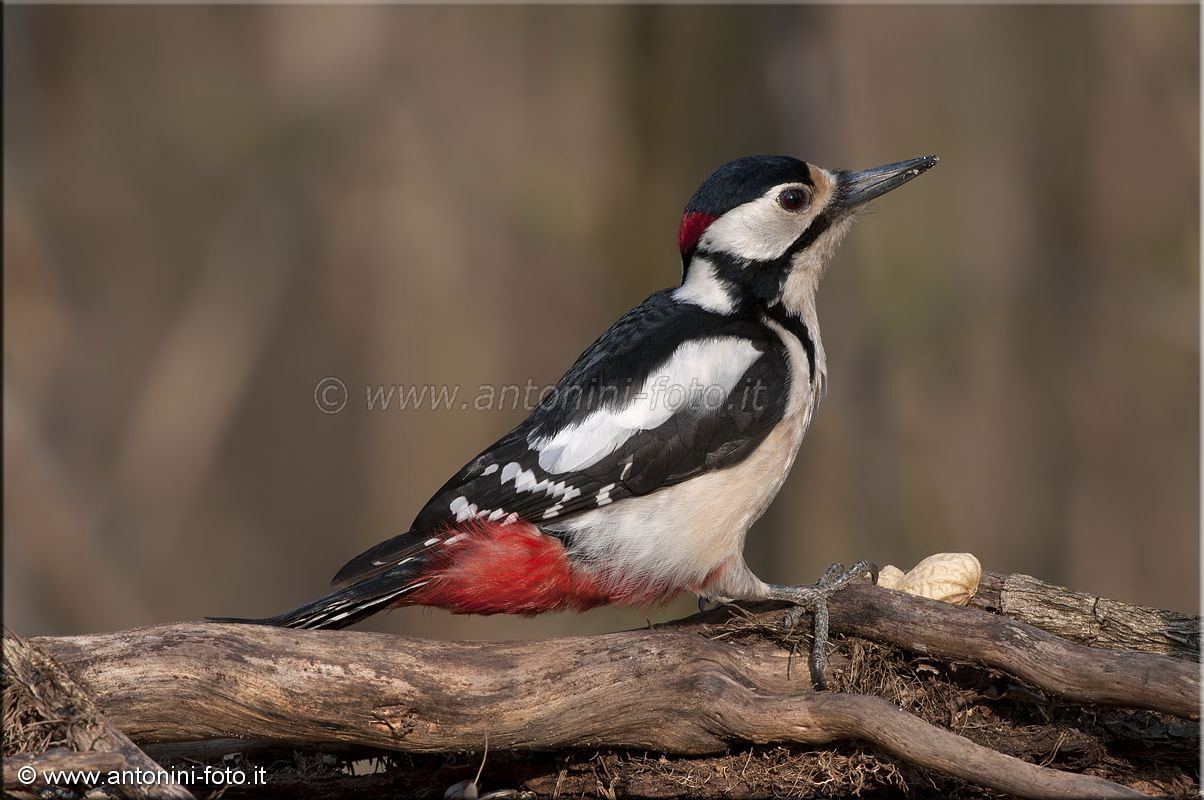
(799, 293)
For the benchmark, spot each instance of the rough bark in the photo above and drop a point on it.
(52, 694)
(695, 687)
(660, 690)
(1075, 672)
(1090, 619)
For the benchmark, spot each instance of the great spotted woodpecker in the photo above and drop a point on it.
(638, 477)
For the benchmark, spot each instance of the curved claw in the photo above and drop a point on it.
(815, 599)
(868, 567)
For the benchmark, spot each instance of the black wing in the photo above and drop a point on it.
(575, 453)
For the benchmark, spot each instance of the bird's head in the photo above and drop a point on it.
(761, 228)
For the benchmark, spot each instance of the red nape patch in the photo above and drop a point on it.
(693, 225)
(494, 568)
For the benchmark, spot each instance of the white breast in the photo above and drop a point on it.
(681, 533)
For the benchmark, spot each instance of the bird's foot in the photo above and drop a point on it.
(814, 599)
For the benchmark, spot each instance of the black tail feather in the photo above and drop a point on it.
(343, 607)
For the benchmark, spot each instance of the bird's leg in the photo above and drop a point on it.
(815, 599)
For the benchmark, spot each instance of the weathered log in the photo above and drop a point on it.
(672, 689)
(1089, 619)
(1073, 671)
(682, 688)
(47, 687)
(660, 690)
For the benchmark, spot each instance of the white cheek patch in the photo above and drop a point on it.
(695, 368)
(759, 230)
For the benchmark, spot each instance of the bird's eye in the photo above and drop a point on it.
(793, 199)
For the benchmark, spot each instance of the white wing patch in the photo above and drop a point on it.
(686, 380)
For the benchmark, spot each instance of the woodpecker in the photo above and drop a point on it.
(639, 475)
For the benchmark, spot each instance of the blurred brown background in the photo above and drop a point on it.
(207, 210)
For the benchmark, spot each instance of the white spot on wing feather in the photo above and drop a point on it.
(524, 481)
(396, 564)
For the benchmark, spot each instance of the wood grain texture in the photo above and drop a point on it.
(659, 690)
(92, 737)
(673, 688)
(1090, 619)
(1073, 671)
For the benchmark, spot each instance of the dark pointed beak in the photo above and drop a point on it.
(858, 188)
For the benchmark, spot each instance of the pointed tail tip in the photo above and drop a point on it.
(275, 622)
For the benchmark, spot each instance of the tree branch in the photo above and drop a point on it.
(657, 690)
(1073, 671)
(1090, 619)
(678, 688)
(46, 687)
